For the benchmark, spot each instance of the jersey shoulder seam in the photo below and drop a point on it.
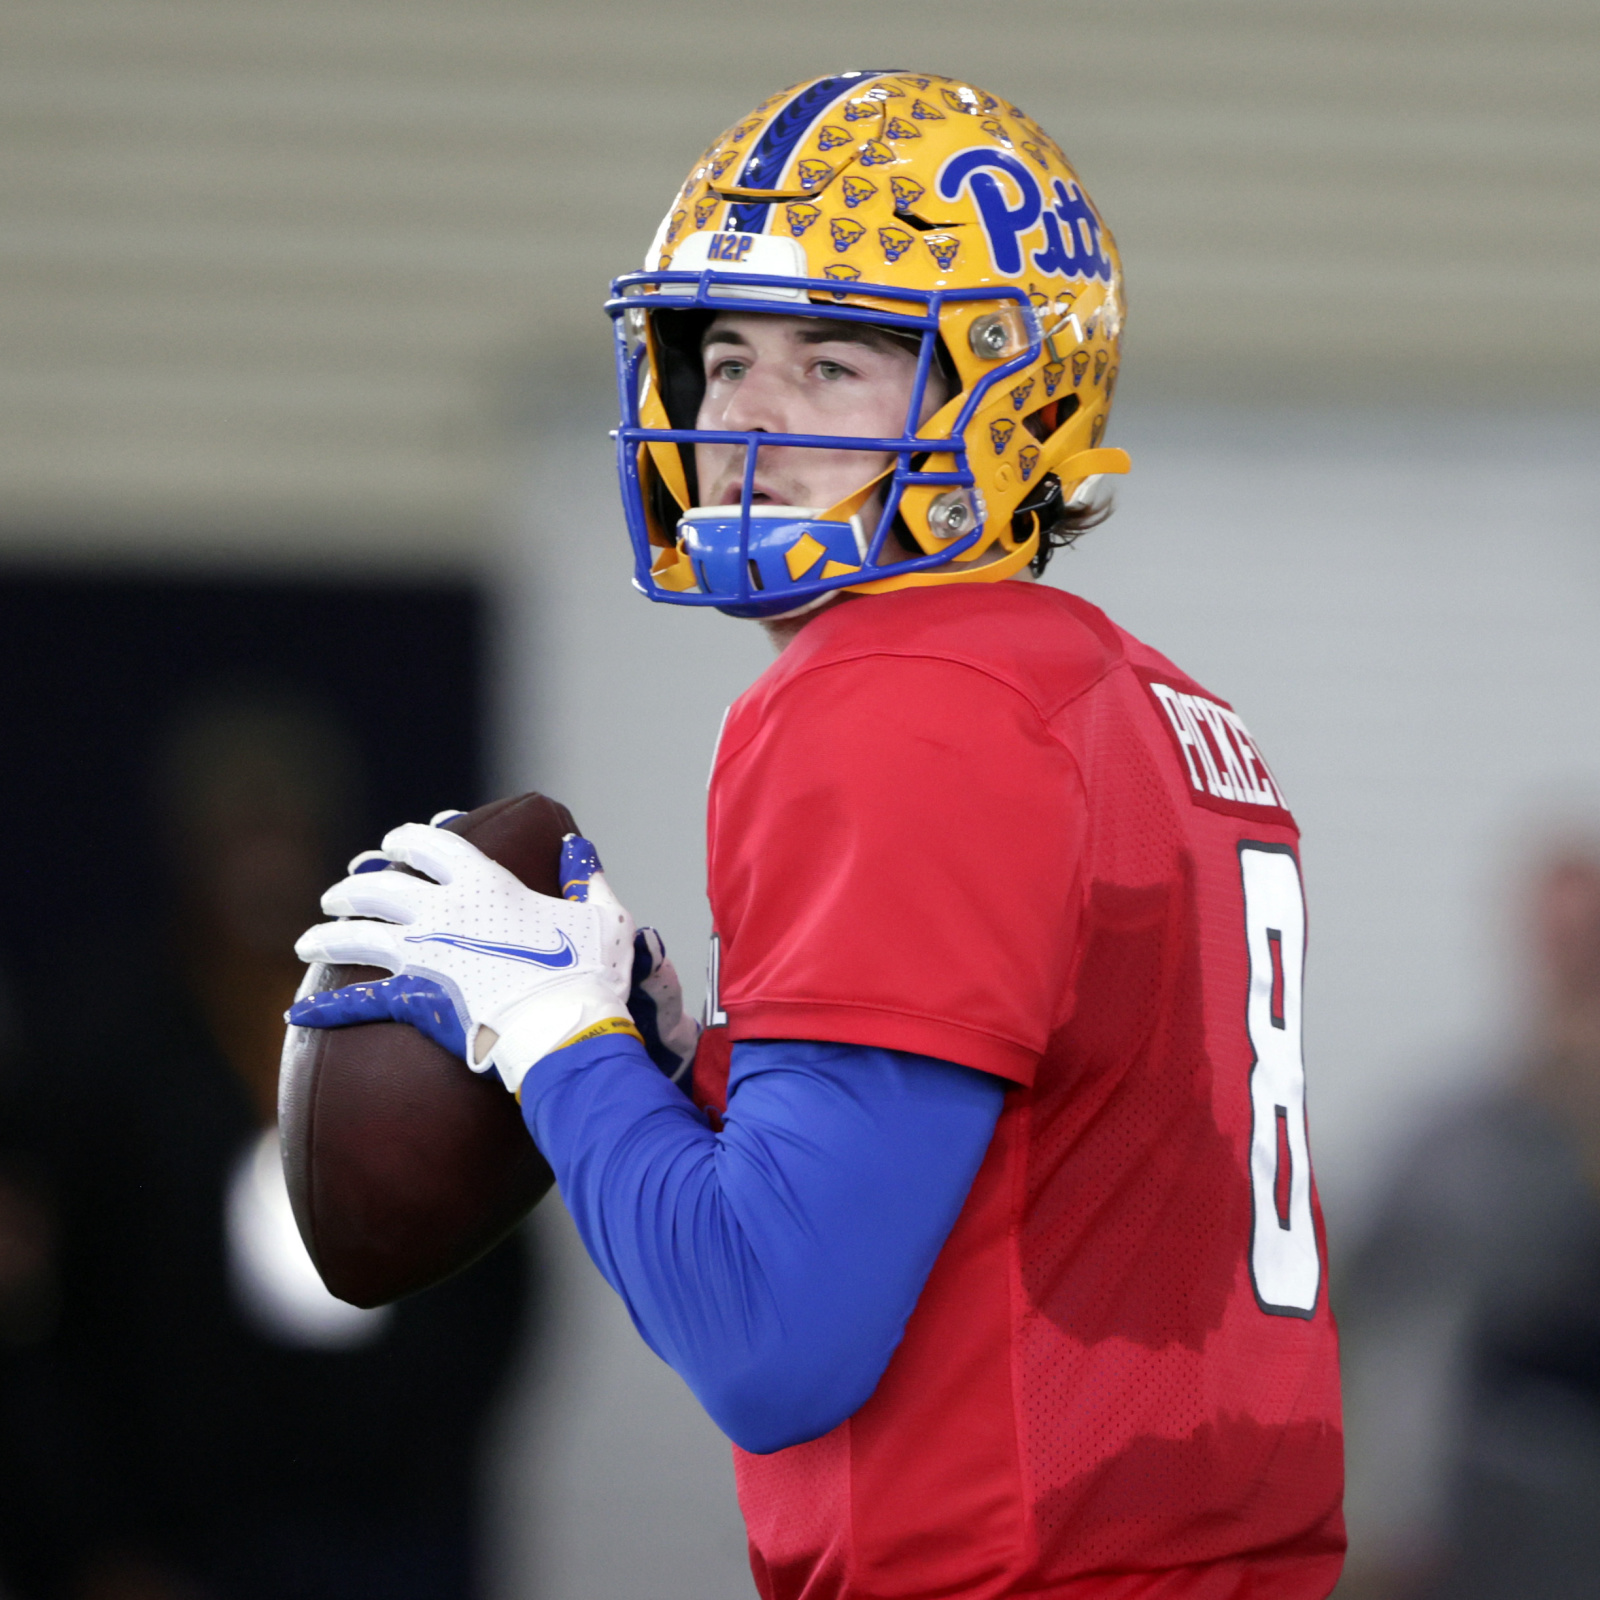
(947, 658)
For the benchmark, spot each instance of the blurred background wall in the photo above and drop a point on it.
(309, 292)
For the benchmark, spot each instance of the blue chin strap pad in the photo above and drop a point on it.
(785, 549)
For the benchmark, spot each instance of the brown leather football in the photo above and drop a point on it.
(403, 1166)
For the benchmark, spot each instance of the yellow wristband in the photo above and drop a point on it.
(597, 1030)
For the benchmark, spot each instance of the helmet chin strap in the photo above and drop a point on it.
(855, 502)
(1001, 564)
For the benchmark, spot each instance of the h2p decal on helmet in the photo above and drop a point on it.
(927, 208)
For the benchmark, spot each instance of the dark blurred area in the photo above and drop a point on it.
(184, 1410)
(1471, 1314)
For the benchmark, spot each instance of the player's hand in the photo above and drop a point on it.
(656, 1004)
(483, 965)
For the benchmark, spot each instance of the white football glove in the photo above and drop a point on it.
(525, 972)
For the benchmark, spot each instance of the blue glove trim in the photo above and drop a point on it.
(772, 1265)
(417, 1001)
(643, 1009)
(580, 861)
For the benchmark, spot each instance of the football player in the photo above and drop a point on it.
(988, 1233)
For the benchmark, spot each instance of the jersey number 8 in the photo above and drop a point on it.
(1284, 1265)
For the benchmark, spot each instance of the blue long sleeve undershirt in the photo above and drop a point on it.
(773, 1265)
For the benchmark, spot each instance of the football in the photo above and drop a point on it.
(403, 1167)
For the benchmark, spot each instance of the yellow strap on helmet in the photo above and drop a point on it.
(1085, 464)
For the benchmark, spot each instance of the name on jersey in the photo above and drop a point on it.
(1224, 767)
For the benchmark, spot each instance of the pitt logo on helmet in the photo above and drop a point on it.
(1071, 231)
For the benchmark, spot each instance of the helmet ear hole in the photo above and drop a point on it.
(1050, 416)
(1045, 510)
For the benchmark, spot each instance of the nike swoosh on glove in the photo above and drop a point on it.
(498, 974)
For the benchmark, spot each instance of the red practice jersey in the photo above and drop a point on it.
(983, 823)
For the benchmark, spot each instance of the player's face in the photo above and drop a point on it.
(801, 375)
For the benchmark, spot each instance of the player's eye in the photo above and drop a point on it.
(731, 370)
(832, 370)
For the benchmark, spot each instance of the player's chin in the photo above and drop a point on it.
(781, 623)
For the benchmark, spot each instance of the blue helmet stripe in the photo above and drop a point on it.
(765, 163)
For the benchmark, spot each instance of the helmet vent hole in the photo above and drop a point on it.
(1048, 418)
(755, 575)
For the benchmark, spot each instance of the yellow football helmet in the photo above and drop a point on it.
(924, 206)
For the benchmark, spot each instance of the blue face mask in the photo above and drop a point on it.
(756, 560)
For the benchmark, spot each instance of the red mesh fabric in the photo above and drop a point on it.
(1165, 1420)
(1089, 1399)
